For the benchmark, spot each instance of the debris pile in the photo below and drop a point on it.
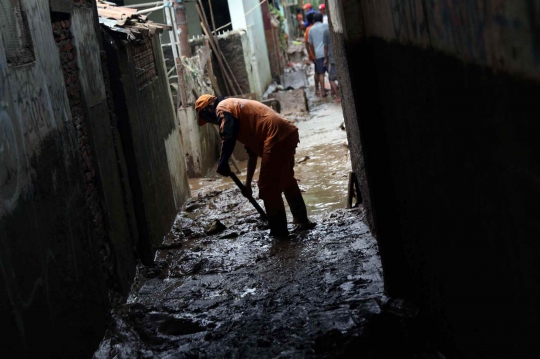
(196, 81)
(297, 51)
(291, 93)
(127, 20)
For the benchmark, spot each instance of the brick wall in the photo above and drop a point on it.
(63, 38)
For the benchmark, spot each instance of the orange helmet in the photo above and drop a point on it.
(200, 104)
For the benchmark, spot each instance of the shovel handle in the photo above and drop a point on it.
(250, 198)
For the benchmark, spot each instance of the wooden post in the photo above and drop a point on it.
(238, 88)
(215, 47)
(350, 190)
(228, 82)
(182, 26)
(211, 75)
(353, 190)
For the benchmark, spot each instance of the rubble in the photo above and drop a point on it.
(296, 51)
(292, 102)
(294, 79)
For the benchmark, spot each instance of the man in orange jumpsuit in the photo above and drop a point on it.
(266, 134)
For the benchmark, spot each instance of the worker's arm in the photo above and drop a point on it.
(229, 131)
(251, 165)
(312, 50)
(308, 48)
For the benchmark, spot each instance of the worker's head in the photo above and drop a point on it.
(307, 6)
(322, 8)
(206, 109)
(317, 17)
(309, 18)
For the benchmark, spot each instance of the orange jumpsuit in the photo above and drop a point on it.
(270, 136)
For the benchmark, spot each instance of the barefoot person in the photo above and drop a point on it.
(266, 134)
(330, 65)
(316, 43)
(309, 48)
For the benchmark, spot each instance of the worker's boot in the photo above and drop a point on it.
(298, 208)
(296, 204)
(278, 225)
(277, 217)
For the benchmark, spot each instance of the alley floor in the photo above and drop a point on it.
(222, 288)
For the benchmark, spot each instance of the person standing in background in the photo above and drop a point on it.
(309, 50)
(300, 19)
(316, 43)
(330, 65)
(322, 9)
(309, 10)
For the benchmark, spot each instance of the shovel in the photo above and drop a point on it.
(250, 198)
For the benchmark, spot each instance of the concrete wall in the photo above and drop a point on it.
(65, 239)
(69, 234)
(441, 125)
(272, 33)
(236, 48)
(202, 144)
(150, 137)
(253, 24)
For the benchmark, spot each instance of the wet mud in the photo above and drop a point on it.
(239, 293)
(223, 288)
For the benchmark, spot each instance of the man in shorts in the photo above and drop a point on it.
(329, 63)
(316, 43)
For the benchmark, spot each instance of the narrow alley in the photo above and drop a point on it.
(269, 179)
(223, 288)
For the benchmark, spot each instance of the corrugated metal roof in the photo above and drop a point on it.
(110, 11)
(126, 20)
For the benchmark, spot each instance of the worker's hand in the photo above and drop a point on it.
(325, 61)
(224, 169)
(248, 191)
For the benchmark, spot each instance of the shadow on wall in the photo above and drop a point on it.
(447, 153)
(67, 232)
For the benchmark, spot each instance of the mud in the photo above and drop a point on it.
(240, 293)
(223, 288)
